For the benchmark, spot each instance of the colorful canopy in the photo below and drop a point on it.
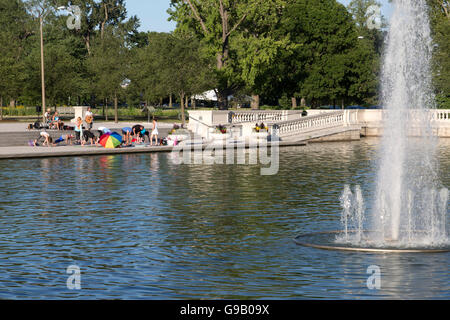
(111, 140)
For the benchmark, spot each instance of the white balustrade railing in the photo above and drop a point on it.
(286, 123)
(258, 116)
(441, 115)
(307, 124)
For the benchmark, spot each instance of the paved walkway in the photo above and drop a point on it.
(17, 134)
(6, 127)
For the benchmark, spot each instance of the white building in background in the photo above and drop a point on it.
(210, 95)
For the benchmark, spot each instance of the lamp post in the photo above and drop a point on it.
(41, 22)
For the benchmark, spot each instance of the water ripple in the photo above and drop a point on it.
(140, 227)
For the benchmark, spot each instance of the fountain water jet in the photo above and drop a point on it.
(406, 213)
(408, 166)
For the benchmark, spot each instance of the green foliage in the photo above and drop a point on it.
(322, 67)
(217, 24)
(14, 40)
(170, 65)
(108, 64)
(277, 49)
(284, 102)
(440, 21)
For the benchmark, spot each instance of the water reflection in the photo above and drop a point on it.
(141, 227)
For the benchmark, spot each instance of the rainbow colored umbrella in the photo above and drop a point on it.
(111, 140)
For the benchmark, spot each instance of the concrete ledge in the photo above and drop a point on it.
(71, 151)
(78, 151)
(377, 131)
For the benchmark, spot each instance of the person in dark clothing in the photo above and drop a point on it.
(88, 136)
(139, 132)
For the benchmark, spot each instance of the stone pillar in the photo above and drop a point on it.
(303, 103)
(294, 103)
(79, 112)
(255, 102)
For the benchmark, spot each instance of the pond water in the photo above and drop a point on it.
(143, 227)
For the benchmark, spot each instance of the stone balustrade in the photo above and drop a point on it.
(307, 124)
(259, 116)
(441, 115)
(287, 123)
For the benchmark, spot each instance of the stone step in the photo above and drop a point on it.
(13, 139)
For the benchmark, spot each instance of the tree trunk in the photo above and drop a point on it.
(106, 113)
(222, 100)
(343, 105)
(294, 103)
(222, 96)
(170, 101)
(12, 103)
(187, 102)
(42, 69)
(255, 102)
(303, 103)
(183, 118)
(116, 108)
(102, 28)
(194, 104)
(87, 41)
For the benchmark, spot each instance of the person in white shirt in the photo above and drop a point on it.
(47, 139)
(155, 132)
(48, 117)
(89, 118)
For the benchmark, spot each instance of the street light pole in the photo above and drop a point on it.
(41, 20)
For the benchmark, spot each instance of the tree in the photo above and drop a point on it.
(146, 69)
(186, 71)
(260, 47)
(13, 48)
(172, 65)
(319, 69)
(108, 65)
(216, 23)
(440, 22)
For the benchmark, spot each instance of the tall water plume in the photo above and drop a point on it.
(406, 203)
(410, 206)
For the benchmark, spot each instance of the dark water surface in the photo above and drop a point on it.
(142, 227)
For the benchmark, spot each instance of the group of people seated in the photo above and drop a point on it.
(53, 121)
(85, 135)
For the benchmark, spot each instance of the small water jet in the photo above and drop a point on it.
(409, 209)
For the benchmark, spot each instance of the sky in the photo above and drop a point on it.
(153, 13)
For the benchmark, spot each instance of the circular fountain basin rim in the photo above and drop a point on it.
(359, 249)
